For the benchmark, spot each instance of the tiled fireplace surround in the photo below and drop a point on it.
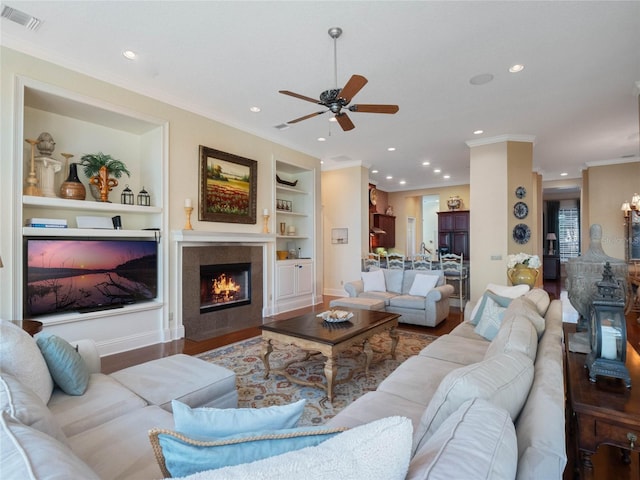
(215, 251)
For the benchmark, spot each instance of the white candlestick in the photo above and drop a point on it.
(187, 202)
(265, 211)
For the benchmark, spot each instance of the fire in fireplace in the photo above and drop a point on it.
(224, 286)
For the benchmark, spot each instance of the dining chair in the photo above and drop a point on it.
(453, 267)
(370, 261)
(395, 261)
(421, 262)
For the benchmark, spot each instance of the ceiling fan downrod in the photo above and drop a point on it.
(335, 33)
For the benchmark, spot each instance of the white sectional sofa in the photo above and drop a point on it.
(400, 294)
(102, 433)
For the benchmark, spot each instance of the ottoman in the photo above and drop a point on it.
(181, 377)
(357, 302)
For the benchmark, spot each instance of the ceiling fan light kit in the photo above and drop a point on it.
(336, 99)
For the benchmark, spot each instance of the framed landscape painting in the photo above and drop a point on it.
(228, 187)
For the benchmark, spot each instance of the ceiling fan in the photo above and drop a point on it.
(337, 99)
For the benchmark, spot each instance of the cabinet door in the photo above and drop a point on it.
(461, 221)
(286, 283)
(445, 221)
(461, 244)
(304, 278)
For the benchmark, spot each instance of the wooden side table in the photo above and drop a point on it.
(30, 326)
(604, 412)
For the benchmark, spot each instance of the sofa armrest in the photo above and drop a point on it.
(439, 293)
(355, 288)
(89, 352)
(468, 308)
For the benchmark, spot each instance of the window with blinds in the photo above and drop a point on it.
(569, 238)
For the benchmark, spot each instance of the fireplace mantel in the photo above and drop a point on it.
(199, 236)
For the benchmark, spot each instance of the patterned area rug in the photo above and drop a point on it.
(255, 391)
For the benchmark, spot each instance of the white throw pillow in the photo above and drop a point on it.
(379, 450)
(422, 284)
(373, 281)
(504, 291)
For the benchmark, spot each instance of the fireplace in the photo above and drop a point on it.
(224, 286)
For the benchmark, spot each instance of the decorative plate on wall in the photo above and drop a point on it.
(520, 210)
(521, 233)
(373, 196)
(521, 192)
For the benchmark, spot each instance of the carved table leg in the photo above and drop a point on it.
(393, 333)
(330, 373)
(267, 348)
(368, 352)
(586, 461)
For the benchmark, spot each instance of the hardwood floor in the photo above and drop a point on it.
(607, 464)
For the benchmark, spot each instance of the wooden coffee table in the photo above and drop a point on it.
(316, 336)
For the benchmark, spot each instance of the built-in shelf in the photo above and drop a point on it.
(283, 188)
(88, 232)
(294, 214)
(51, 203)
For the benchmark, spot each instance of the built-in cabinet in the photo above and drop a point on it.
(453, 232)
(295, 234)
(386, 223)
(81, 125)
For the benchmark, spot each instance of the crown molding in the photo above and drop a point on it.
(509, 137)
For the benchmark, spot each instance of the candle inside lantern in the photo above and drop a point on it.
(609, 344)
(292, 230)
(187, 203)
(265, 212)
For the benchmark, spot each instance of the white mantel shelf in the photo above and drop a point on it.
(200, 236)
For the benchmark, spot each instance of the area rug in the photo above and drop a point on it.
(255, 391)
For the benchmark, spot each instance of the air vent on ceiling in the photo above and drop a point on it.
(282, 126)
(24, 19)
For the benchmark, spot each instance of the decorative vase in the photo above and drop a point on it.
(104, 183)
(72, 188)
(521, 274)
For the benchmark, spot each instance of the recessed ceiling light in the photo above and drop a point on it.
(374, 171)
(481, 79)
(446, 177)
(403, 182)
(564, 174)
(332, 119)
(321, 162)
(130, 54)
(322, 139)
(516, 68)
(255, 109)
(426, 163)
(436, 170)
(478, 132)
(391, 149)
(389, 177)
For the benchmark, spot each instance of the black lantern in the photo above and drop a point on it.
(144, 198)
(608, 331)
(126, 198)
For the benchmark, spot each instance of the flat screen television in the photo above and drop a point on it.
(84, 274)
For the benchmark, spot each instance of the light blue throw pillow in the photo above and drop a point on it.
(179, 455)
(488, 294)
(491, 316)
(222, 422)
(66, 366)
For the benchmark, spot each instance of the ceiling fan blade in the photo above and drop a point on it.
(371, 108)
(307, 116)
(345, 122)
(301, 97)
(353, 86)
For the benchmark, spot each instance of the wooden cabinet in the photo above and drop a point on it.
(294, 279)
(551, 267)
(453, 231)
(388, 224)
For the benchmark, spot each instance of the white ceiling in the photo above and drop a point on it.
(577, 94)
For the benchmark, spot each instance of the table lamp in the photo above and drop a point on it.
(551, 237)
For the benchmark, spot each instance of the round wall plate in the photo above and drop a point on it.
(521, 192)
(520, 210)
(373, 196)
(521, 233)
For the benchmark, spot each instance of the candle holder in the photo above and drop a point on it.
(32, 181)
(265, 225)
(187, 212)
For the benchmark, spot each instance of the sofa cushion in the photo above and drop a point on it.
(393, 279)
(21, 357)
(514, 291)
(104, 400)
(373, 281)
(491, 314)
(516, 334)
(527, 308)
(384, 297)
(422, 284)
(28, 453)
(408, 301)
(487, 296)
(222, 422)
(478, 433)
(457, 349)
(120, 448)
(66, 366)
(24, 405)
(180, 455)
(376, 451)
(504, 380)
(540, 299)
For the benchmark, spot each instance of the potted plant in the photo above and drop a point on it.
(93, 162)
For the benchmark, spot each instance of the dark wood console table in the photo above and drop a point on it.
(30, 326)
(604, 412)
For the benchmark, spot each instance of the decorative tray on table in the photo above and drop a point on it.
(334, 316)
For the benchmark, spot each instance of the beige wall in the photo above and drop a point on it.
(186, 132)
(608, 187)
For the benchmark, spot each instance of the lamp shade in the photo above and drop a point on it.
(626, 206)
(551, 236)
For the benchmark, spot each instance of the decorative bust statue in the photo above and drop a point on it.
(585, 271)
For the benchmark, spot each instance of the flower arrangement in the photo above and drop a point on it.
(531, 261)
